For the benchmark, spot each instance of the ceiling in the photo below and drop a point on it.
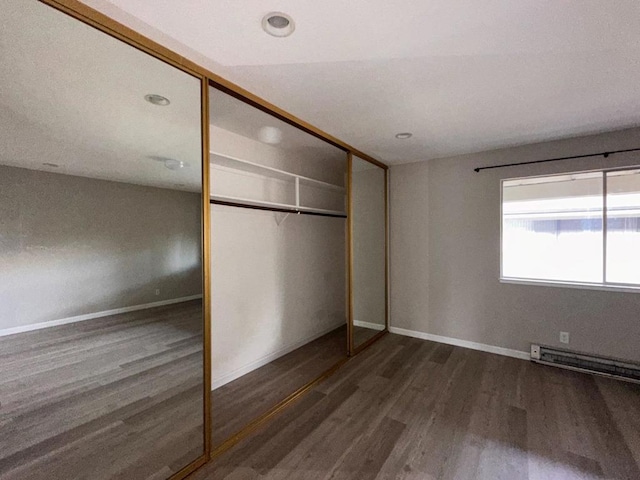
(96, 124)
(461, 77)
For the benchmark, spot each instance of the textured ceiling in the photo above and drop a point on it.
(462, 75)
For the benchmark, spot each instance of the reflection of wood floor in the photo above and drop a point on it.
(416, 410)
(235, 404)
(114, 397)
(362, 334)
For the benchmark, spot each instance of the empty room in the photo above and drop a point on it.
(319, 240)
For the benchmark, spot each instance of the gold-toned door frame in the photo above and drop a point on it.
(98, 20)
(355, 349)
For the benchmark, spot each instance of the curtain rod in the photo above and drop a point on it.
(275, 209)
(604, 154)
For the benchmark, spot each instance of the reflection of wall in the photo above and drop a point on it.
(368, 247)
(445, 256)
(72, 246)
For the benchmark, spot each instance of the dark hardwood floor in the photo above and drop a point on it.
(416, 410)
(117, 397)
(237, 403)
(107, 399)
(120, 397)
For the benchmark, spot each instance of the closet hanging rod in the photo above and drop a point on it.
(276, 209)
(604, 154)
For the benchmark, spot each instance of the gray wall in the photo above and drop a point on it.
(72, 246)
(445, 256)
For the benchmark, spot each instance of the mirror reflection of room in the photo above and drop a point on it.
(368, 230)
(278, 226)
(101, 371)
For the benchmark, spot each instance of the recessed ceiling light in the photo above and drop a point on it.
(157, 99)
(404, 135)
(278, 24)
(52, 165)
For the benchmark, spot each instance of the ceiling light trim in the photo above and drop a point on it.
(278, 24)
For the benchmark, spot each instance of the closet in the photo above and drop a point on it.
(179, 258)
(278, 237)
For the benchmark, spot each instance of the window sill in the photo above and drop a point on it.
(581, 286)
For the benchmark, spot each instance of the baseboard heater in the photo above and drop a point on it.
(586, 363)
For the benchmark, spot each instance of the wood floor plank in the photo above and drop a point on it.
(366, 457)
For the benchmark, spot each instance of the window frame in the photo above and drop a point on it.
(602, 286)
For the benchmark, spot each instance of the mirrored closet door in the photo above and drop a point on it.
(278, 235)
(101, 279)
(368, 239)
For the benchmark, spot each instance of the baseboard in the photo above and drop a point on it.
(91, 316)
(369, 325)
(261, 362)
(507, 352)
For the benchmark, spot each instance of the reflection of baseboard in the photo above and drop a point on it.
(239, 372)
(372, 326)
(91, 316)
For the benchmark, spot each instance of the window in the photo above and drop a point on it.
(579, 228)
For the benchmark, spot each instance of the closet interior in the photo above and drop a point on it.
(278, 260)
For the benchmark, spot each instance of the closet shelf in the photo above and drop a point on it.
(240, 164)
(275, 205)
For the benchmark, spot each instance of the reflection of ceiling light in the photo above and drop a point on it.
(52, 165)
(404, 136)
(271, 135)
(172, 164)
(157, 99)
(278, 24)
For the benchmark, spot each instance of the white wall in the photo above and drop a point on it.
(445, 256)
(73, 246)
